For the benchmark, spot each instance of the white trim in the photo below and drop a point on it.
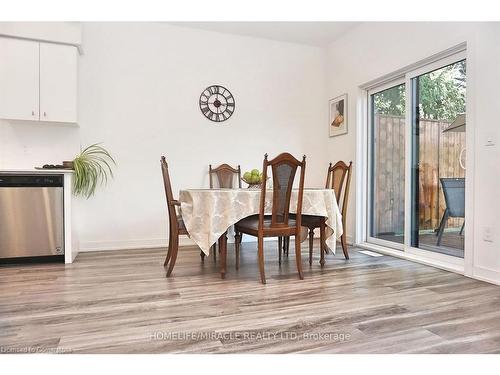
(413, 257)
(408, 163)
(436, 256)
(70, 238)
(402, 72)
(389, 244)
(131, 244)
(156, 243)
(470, 177)
(386, 85)
(485, 274)
(438, 64)
(361, 165)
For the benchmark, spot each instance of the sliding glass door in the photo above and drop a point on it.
(416, 160)
(438, 160)
(387, 161)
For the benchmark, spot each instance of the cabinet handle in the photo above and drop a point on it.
(32, 113)
(44, 114)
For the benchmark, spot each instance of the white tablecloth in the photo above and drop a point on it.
(208, 213)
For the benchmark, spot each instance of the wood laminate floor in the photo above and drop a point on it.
(121, 302)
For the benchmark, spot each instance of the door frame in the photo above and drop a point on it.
(363, 152)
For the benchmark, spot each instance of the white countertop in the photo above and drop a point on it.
(37, 171)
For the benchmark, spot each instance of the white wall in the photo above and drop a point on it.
(139, 91)
(374, 49)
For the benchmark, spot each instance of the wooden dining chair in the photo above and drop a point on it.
(225, 176)
(283, 169)
(176, 224)
(339, 179)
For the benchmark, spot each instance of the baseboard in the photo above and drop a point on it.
(485, 274)
(131, 244)
(153, 243)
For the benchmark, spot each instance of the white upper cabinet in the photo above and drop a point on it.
(38, 81)
(58, 86)
(19, 79)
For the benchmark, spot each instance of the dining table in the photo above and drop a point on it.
(209, 213)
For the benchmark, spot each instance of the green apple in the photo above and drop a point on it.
(247, 176)
(255, 172)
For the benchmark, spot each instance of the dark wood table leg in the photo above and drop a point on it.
(322, 243)
(223, 254)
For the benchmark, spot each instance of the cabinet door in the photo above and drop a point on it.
(58, 82)
(19, 79)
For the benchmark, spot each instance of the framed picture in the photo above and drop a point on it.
(338, 115)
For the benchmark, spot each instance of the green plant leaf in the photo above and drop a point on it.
(93, 167)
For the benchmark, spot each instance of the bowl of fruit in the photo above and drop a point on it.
(253, 179)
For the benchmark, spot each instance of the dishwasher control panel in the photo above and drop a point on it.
(31, 180)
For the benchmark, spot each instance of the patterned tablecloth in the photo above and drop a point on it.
(208, 213)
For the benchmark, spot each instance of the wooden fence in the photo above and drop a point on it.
(439, 157)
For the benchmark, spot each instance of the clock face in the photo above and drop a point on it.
(217, 103)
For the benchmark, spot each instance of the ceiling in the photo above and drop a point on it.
(311, 33)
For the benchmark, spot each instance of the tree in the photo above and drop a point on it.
(441, 94)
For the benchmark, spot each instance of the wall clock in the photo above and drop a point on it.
(217, 103)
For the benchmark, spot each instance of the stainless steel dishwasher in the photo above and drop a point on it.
(31, 217)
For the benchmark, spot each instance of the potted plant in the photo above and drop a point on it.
(92, 168)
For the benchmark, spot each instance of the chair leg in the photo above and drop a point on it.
(286, 244)
(169, 251)
(214, 250)
(311, 243)
(442, 225)
(202, 255)
(280, 241)
(322, 243)
(298, 257)
(237, 241)
(175, 249)
(462, 229)
(261, 259)
(344, 245)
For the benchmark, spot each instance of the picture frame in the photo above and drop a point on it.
(337, 115)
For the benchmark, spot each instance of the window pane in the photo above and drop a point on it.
(388, 164)
(438, 160)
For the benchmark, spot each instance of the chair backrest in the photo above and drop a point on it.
(225, 175)
(454, 195)
(339, 179)
(172, 212)
(283, 169)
